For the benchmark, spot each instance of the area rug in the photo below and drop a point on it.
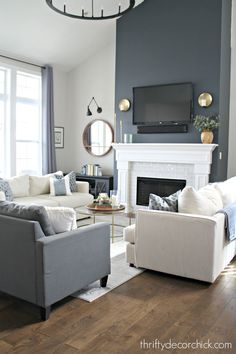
(121, 272)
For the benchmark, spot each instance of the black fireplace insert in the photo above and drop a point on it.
(160, 186)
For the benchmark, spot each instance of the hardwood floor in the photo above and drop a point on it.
(148, 307)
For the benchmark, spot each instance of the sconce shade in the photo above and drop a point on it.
(89, 113)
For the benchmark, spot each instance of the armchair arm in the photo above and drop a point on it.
(82, 186)
(72, 260)
(177, 243)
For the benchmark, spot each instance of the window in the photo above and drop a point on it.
(20, 122)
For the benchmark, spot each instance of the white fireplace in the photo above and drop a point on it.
(190, 162)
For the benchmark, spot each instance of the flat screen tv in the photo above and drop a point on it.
(162, 104)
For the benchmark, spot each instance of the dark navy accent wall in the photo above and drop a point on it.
(170, 41)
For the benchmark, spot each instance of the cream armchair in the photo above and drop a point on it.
(191, 246)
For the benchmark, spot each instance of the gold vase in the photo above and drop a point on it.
(207, 137)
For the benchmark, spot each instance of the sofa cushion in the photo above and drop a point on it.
(206, 201)
(31, 212)
(72, 201)
(129, 233)
(43, 200)
(164, 203)
(2, 196)
(227, 190)
(62, 219)
(19, 186)
(5, 187)
(60, 186)
(41, 184)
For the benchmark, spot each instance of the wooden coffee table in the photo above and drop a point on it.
(96, 209)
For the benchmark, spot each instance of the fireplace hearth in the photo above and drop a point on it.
(159, 186)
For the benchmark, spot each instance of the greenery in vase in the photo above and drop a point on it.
(206, 123)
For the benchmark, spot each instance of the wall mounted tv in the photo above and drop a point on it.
(163, 104)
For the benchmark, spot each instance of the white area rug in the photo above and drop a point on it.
(121, 272)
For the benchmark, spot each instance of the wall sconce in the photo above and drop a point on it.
(99, 109)
(205, 99)
(124, 105)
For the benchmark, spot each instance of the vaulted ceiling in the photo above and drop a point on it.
(30, 30)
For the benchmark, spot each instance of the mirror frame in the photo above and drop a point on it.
(85, 134)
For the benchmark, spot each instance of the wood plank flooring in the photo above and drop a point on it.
(148, 307)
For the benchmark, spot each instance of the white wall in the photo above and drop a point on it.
(232, 121)
(93, 78)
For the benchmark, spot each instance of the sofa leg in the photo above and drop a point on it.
(103, 281)
(45, 313)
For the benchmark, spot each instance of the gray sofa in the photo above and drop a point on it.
(44, 270)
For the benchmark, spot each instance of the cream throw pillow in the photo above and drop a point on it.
(227, 190)
(41, 184)
(206, 201)
(62, 219)
(19, 186)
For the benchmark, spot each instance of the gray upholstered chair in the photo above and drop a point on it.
(44, 270)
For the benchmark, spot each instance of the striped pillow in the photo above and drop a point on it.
(59, 187)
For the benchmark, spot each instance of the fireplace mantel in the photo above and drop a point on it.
(162, 160)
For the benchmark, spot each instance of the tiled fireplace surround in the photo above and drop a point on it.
(191, 162)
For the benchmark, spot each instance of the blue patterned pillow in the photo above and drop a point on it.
(164, 203)
(72, 180)
(72, 177)
(5, 187)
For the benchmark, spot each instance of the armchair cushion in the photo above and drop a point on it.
(129, 234)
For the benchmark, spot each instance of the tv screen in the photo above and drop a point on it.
(162, 104)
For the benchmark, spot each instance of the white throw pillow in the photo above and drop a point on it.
(206, 201)
(19, 186)
(2, 196)
(41, 184)
(227, 190)
(60, 186)
(62, 219)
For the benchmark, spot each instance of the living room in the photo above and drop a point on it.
(165, 280)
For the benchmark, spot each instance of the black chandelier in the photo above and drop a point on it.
(99, 109)
(90, 13)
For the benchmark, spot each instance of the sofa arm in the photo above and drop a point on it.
(181, 244)
(72, 260)
(82, 186)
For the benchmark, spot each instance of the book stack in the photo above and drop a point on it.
(92, 170)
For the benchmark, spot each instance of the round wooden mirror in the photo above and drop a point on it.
(97, 137)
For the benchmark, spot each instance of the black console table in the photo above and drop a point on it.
(97, 184)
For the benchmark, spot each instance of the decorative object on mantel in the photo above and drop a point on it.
(205, 124)
(128, 138)
(59, 137)
(205, 99)
(99, 109)
(124, 105)
(94, 10)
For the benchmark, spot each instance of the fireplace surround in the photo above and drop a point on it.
(190, 162)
